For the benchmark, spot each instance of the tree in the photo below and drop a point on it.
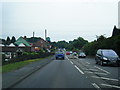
(13, 39)
(8, 41)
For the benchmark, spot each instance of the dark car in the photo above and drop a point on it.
(81, 55)
(59, 55)
(107, 56)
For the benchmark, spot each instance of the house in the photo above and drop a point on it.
(37, 43)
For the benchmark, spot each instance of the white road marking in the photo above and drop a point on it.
(88, 72)
(79, 70)
(105, 78)
(110, 85)
(101, 73)
(102, 70)
(87, 62)
(67, 57)
(95, 85)
(71, 62)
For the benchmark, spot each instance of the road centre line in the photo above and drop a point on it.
(71, 62)
(95, 85)
(110, 85)
(105, 78)
(102, 70)
(79, 69)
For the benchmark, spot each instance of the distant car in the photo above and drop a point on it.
(82, 55)
(60, 55)
(67, 53)
(107, 56)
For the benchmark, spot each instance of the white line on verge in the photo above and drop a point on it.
(102, 70)
(95, 85)
(110, 85)
(79, 70)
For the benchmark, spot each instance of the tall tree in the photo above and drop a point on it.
(8, 41)
(13, 39)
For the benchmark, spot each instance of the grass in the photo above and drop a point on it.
(17, 65)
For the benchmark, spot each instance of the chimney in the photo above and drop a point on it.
(45, 34)
(33, 34)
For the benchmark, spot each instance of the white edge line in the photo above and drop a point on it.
(95, 85)
(102, 69)
(79, 70)
(110, 85)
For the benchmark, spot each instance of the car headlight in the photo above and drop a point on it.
(105, 58)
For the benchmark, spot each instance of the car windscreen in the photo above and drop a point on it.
(110, 53)
(82, 54)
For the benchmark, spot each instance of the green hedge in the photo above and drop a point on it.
(27, 56)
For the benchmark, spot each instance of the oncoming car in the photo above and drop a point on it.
(82, 55)
(59, 55)
(107, 56)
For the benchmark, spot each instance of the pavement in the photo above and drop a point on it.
(10, 79)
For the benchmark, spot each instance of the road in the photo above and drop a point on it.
(73, 73)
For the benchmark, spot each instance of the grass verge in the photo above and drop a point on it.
(17, 65)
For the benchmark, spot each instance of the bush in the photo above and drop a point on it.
(27, 56)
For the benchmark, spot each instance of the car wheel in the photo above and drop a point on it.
(56, 58)
(96, 62)
(101, 63)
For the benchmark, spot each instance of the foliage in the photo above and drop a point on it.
(13, 39)
(103, 43)
(71, 45)
(8, 41)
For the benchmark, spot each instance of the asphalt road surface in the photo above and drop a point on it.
(73, 73)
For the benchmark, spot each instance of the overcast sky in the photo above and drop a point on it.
(63, 19)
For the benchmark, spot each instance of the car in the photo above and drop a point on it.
(59, 55)
(81, 55)
(107, 56)
(67, 53)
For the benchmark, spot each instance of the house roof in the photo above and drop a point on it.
(12, 45)
(32, 39)
(21, 40)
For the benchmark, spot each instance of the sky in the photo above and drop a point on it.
(63, 19)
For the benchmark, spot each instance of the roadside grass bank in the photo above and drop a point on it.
(17, 65)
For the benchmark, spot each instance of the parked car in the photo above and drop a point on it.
(107, 56)
(81, 55)
(59, 55)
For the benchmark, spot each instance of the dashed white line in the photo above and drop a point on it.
(71, 62)
(79, 70)
(95, 85)
(110, 85)
(102, 70)
(105, 78)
